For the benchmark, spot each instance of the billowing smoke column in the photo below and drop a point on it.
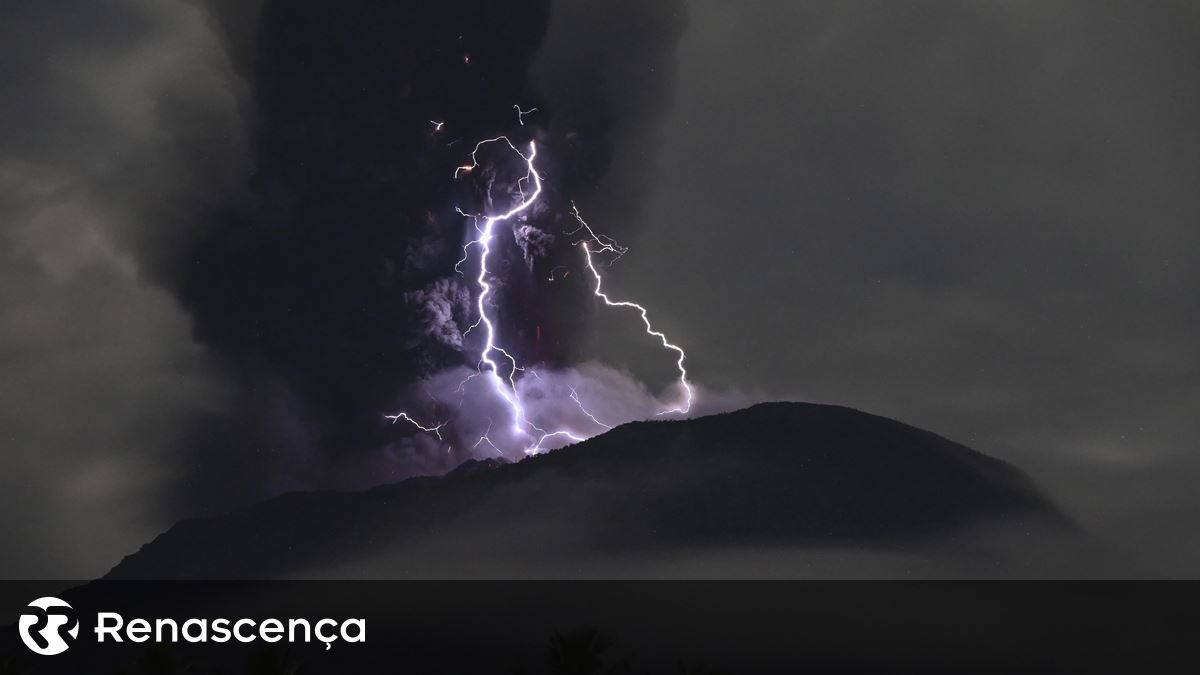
(321, 276)
(497, 371)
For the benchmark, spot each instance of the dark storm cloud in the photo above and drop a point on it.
(226, 221)
(979, 218)
(102, 104)
(610, 73)
(334, 287)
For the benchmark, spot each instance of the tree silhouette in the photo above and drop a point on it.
(584, 651)
(696, 669)
(270, 661)
(156, 659)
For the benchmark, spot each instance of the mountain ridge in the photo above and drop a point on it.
(794, 474)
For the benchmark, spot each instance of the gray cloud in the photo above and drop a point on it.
(444, 310)
(609, 72)
(584, 400)
(980, 219)
(534, 243)
(121, 124)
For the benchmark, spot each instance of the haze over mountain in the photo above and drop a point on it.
(765, 484)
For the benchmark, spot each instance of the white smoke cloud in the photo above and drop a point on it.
(467, 404)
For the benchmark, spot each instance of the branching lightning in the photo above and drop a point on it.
(509, 393)
(607, 244)
(522, 113)
(604, 243)
(496, 364)
(575, 397)
(435, 430)
(667, 344)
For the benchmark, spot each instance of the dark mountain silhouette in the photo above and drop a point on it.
(773, 475)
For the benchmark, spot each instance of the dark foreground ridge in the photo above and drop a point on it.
(791, 475)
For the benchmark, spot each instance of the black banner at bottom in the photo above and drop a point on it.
(598, 627)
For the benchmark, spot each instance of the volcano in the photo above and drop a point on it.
(772, 477)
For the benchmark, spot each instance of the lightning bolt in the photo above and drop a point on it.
(603, 242)
(506, 388)
(598, 291)
(466, 249)
(575, 397)
(487, 437)
(497, 364)
(522, 113)
(484, 241)
(436, 431)
(536, 447)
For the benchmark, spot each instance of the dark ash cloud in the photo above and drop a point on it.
(335, 281)
(223, 221)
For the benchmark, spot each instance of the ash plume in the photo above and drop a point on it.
(330, 291)
(441, 307)
(229, 234)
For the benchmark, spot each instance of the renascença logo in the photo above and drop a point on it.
(44, 624)
(48, 622)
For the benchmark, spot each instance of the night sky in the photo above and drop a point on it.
(227, 228)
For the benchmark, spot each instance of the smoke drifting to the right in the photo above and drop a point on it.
(589, 399)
